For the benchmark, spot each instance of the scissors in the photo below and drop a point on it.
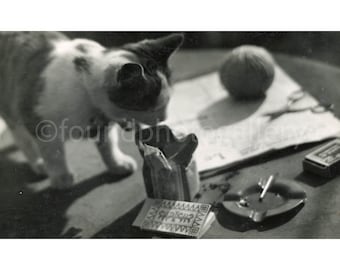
(294, 98)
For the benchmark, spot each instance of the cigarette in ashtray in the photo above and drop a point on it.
(268, 184)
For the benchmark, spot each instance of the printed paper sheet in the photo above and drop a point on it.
(230, 131)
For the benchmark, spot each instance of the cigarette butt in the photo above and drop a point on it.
(267, 186)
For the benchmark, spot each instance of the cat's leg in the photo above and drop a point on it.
(117, 162)
(53, 153)
(28, 145)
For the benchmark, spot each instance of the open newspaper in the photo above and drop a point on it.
(231, 131)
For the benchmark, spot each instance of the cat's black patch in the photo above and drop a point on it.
(141, 92)
(81, 64)
(135, 92)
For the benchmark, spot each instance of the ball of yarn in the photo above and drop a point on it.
(247, 72)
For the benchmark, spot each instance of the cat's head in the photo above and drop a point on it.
(136, 80)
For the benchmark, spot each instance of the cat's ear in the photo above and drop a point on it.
(130, 73)
(162, 48)
(159, 49)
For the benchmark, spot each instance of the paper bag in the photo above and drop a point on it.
(169, 169)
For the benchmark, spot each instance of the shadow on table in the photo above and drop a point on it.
(312, 180)
(122, 228)
(25, 213)
(228, 111)
(241, 224)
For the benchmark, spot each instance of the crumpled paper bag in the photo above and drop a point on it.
(169, 169)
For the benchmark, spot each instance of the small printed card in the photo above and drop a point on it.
(175, 217)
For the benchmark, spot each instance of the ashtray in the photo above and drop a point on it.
(282, 196)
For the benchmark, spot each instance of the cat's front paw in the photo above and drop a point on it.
(126, 165)
(63, 181)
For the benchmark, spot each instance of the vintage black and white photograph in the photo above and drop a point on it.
(171, 134)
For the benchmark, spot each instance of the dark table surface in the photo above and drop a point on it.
(101, 206)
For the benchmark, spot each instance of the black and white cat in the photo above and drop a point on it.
(49, 84)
